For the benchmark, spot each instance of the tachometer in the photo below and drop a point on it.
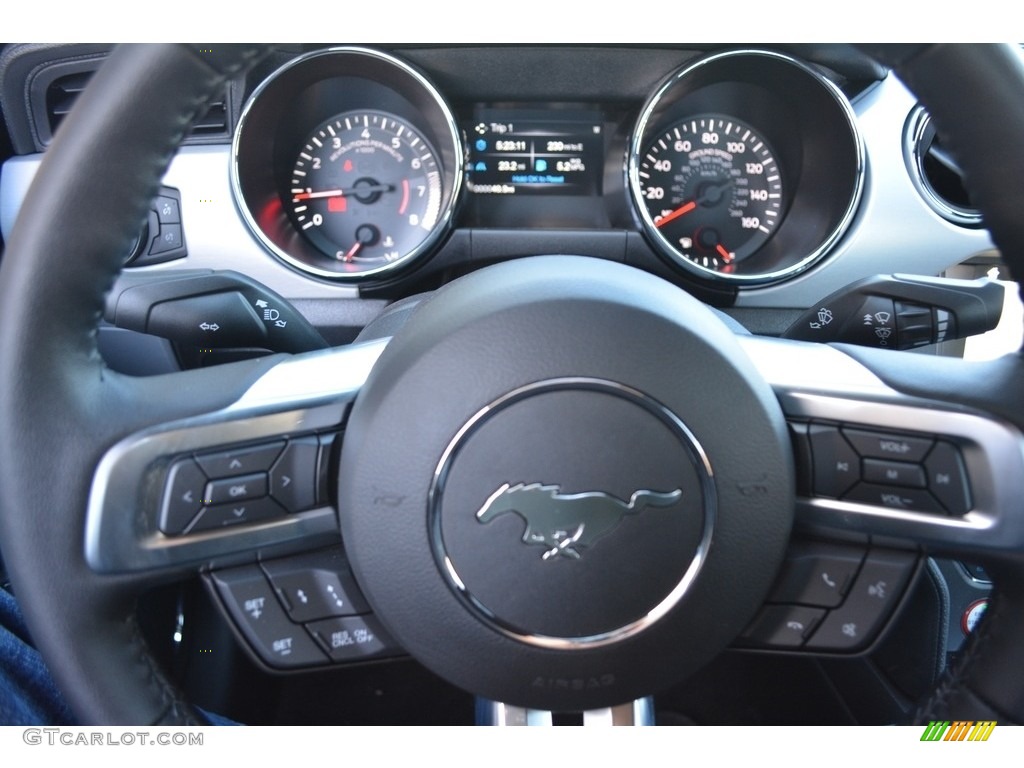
(713, 190)
(348, 165)
(366, 189)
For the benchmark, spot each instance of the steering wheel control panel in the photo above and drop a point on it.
(831, 598)
(901, 471)
(302, 611)
(208, 491)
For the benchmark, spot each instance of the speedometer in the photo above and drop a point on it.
(712, 189)
(745, 168)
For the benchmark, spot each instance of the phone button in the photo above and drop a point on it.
(817, 574)
(782, 626)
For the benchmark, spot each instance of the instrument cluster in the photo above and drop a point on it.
(743, 167)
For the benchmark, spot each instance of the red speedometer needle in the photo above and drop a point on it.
(682, 210)
(316, 195)
(726, 256)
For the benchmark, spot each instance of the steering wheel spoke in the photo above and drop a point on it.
(875, 461)
(218, 486)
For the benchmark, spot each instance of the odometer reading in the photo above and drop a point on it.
(366, 189)
(712, 189)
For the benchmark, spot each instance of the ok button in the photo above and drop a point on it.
(238, 488)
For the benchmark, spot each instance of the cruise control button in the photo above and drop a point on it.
(183, 496)
(836, 465)
(782, 626)
(293, 477)
(235, 489)
(354, 638)
(240, 461)
(250, 600)
(878, 588)
(316, 586)
(899, 473)
(239, 513)
(947, 478)
(893, 497)
(880, 445)
(816, 574)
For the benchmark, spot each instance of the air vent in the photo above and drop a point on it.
(936, 173)
(61, 94)
(213, 122)
(56, 87)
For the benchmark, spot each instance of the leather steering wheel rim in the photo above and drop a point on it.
(62, 408)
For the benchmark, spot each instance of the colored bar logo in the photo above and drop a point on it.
(958, 730)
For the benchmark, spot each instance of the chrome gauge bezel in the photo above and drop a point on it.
(310, 89)
(818, 209)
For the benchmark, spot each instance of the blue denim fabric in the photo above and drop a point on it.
(28, 695)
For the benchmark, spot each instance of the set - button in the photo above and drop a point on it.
(302, 611)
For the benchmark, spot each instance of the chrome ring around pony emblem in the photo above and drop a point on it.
(531, 531)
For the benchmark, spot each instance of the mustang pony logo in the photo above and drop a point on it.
(564, 523)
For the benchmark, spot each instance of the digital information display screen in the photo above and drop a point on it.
(531, 152)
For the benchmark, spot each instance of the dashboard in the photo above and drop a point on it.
(348, 178)
(755, 178)
(369, 162)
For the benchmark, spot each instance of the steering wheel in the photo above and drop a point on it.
(552, 367)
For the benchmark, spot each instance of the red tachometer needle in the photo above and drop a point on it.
(316, 195)
(726, 256)
(680, 211)
(351, 253)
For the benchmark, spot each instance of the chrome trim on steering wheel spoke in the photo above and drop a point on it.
(301, 395)
(820, 383)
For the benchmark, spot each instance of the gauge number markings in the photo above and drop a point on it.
(712, 189)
